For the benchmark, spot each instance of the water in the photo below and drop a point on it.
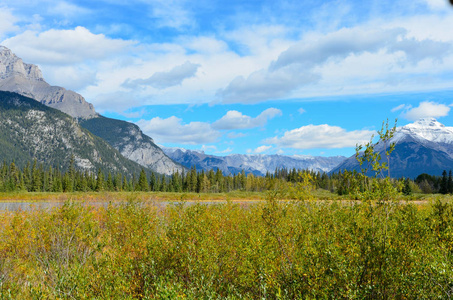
(47, 205)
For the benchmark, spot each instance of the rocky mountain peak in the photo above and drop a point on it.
(11, 65)
(27, 80)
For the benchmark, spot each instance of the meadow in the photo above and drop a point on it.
(231, 248)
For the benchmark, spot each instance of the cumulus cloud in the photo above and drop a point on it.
(337, 45)
(416, 51)
(162, 80)
(65, 47)
(262, 149)
(114, 102)
(301, 110)
(426, 109)
(302, 64)
(320, 136)
(236, 120)
(7, 21)
(204, 44)
(172, 130)
(436, 4)
(263, 85)
(227, 150)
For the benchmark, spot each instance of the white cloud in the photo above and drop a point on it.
(7, 22)
(75, 77)
(320, 136)
(262, 149)
(301, 110)
(227, 150)
(437, 4)
(65, 47)
(425, 110)
(171, 13)
(204, 44)
(115, 102)
(246, 61)
(162, 80)
(206, 148)
(66, 10)
(236, 120)
(310, 62)
(172, 130)
(263, 85)
(399, 107)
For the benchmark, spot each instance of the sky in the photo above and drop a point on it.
(292, 77)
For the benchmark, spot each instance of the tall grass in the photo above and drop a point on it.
(270, 250)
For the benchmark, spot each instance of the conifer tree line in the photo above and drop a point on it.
(35, 177)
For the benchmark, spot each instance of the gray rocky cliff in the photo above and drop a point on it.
(27, 80)
(132, 143)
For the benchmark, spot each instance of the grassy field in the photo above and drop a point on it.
(235, 196)
(270, 249)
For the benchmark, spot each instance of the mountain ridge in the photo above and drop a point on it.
(27, 80)
(257, 164)
(31, 130)
(132, 143)
(425, 146)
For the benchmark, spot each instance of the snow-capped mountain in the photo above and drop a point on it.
(425, 146)
(258, 164)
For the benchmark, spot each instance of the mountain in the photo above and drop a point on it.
(132, 143)
(256, 164)
(27, 80)
(30, 130)
(425, 146)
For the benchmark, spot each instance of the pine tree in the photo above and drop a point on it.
(407, 190)
(444, 183)
(142, 182)
(100, 181)
(109, 183)
(450, 183)
(125, 184)
(117, 184)
(163, 187)
(152, 182)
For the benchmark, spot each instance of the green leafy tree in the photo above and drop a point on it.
(371, 161)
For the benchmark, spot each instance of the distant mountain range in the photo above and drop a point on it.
(425, 146)
(256, 164)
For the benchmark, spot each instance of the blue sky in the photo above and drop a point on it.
(287, 77)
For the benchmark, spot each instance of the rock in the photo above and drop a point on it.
(27, 80)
